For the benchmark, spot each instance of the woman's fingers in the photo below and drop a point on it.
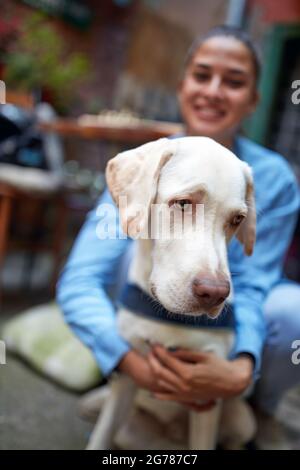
(166, 386)
(165, 396)
(169, 360)
(194, 357)
(165, 375)
(200, 408)
(190, 356)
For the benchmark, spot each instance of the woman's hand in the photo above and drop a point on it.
(138, 368)
(192, 376)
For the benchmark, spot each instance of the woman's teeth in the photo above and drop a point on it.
(209, 112)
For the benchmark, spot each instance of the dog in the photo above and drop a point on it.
(186, 276)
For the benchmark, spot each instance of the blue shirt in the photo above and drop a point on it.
(94, 263)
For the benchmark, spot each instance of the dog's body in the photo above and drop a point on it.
(141, 331)
(187, 275)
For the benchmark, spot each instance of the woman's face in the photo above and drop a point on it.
(218, 89)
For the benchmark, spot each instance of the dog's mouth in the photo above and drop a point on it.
(152, 289)
(188, 309)
(212, 313)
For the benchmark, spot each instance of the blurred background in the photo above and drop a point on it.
(84, 80)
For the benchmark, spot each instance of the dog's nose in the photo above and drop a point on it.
(210, 292)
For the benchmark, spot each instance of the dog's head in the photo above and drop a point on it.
(191, 196)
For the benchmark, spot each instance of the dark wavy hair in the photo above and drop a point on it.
(228, 31)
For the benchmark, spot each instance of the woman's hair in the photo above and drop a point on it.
(227, 31)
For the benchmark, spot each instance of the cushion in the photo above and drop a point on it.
(41, 337)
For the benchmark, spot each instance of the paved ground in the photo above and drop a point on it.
(289, 415)
(36, 414)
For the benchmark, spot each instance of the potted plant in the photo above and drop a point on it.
(38, 62)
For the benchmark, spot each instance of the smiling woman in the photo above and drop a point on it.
(218, 89)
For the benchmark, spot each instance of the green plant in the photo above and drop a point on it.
(39, 59)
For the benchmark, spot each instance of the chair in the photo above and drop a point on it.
(37, 189)
(11, 199)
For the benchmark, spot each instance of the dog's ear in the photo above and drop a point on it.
(132, 179)
(247, 231)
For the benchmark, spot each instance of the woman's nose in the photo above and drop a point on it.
(213, 88)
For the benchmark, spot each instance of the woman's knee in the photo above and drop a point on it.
(282, 310)
(284, 297)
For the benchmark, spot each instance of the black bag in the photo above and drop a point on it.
(21, 143)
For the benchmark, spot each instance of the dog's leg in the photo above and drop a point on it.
(203, 428)
(114, 413)
(92, 402)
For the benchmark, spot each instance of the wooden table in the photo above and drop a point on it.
(131, 133)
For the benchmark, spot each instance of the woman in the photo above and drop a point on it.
(217, 91)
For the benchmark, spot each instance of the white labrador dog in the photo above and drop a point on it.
(186, 274)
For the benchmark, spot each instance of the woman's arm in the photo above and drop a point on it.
(255, 276)
(82, 288)
(82, 294)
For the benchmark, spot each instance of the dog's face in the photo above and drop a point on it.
(208, 191)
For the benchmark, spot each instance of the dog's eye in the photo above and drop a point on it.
(182, 204)
(237, 220)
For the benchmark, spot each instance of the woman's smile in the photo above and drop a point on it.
(208, 112)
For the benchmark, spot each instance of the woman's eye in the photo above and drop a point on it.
(182, 204)
(235, 83)
(201, 77)
(237, 220)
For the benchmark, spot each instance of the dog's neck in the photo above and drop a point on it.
(141, 266)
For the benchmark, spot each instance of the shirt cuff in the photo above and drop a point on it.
(248, 343)
(110, 351)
